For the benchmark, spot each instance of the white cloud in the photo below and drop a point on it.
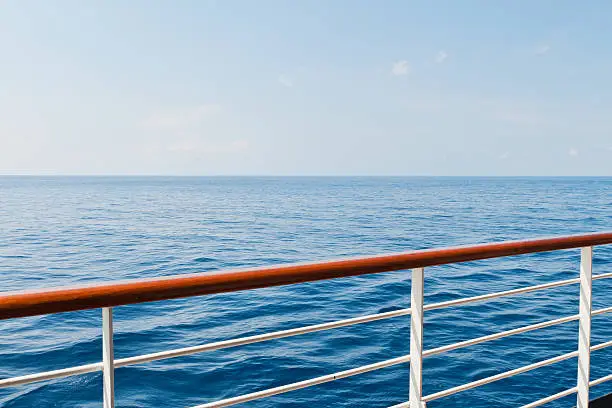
(542, 49)
(504, 155)
(441, 56)
(240, 144)
(190, 133)
(400, 68)
(573, 152)
(285, 81)
(181, 118)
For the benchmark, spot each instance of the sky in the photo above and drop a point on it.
(317, 87)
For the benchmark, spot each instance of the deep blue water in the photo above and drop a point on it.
(56, 231)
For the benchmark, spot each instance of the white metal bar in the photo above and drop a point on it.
(584, 327)
(511, 292)
(602, 276)
(402, 405)
(50, 375)
(500, 335)
(551, 398)
(601, 346)
(601, 311)
(416, 338)
(257, 338)
(495, 295)
(600, 380)
(108, 358)
(511, 373)
(307, 383)
(90, 368)
(500, 376)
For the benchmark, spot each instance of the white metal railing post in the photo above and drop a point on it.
(108, 370)
(584, 327)
(416, 339)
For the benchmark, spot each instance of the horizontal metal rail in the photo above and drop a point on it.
(307, 383)
(551, 398)
(565, 393)
(602, 276)
(601, 346)
(542, 401)
(319, 380)
(41, 302)
(499, 335)
(493, 378)
(258, 338)
(122, 362)
(509, 373)
(602, 311)
(495, 295)
(600, 380)
(50, 375)
(517, 291)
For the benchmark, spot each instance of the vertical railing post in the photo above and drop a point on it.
(416, 339)
(584, 328)
(108, 364)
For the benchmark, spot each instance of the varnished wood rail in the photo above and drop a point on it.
(45, 301)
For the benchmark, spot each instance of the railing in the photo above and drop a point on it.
(107, 296)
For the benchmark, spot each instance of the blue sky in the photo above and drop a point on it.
(306, 87)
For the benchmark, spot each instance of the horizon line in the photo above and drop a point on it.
(295, 175)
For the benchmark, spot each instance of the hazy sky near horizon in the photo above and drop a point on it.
(316, 87)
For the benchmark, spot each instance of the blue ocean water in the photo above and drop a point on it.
(75, 230)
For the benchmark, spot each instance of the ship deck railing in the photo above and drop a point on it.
(108, 295)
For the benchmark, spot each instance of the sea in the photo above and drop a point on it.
(57, 231)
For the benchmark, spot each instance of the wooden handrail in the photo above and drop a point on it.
(46, 301)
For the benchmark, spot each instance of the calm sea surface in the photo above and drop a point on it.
(76, 230)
